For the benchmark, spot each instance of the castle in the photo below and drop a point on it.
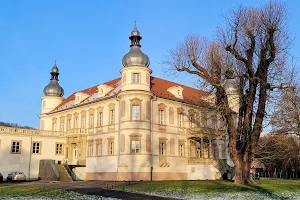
(136, 127)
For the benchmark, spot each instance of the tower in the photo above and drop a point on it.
(53, 92)
(135, 113)
(231, 90)
(135, 73)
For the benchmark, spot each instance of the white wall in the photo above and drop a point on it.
(201, 172)
(20, 162)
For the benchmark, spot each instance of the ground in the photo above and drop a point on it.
(265, 189)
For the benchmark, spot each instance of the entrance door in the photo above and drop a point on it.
(75, 154)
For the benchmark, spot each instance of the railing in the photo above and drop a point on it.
(27, 131)
(78, 175)
(70, 172)
(197, 160)
(77, 131)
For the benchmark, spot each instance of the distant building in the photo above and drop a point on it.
(136, 127)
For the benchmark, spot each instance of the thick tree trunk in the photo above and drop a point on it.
(242, 169)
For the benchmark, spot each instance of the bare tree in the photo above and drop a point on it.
(249, 52)
(279, 151)
(286, 117)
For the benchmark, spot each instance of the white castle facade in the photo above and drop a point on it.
(136, 127)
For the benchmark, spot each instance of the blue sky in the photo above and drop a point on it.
(89, 38)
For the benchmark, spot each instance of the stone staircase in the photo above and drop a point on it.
(64, 176)
(223, 167)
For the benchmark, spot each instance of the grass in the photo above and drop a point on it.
(276, 188)
(266, 189)
(31, 192)
(28, 191)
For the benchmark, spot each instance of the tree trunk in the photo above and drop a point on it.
(242, 169)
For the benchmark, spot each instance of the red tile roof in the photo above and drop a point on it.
(159, 88)
(88, 91)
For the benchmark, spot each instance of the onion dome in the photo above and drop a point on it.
(135, 57)
(53, 88)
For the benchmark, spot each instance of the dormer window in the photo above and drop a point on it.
(177, 91)
(101, 91)
(80, 96)
(104, 90)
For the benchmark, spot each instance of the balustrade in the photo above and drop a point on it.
(77, 131)
(31, 132)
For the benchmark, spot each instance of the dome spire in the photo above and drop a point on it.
(135, 57)
(135, 37)
(135, 25)
(54, 72)
(53, 88)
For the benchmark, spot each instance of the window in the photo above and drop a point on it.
(162, 148)
(62, 125)
(204, 119)
(214, 121)
(135, 78)
(135, 112)
(90, 149)
(54, 126)
(181, 150)
(135, 146)
(36, 147)
(99, 149)
(191, 120)
(76, 122)
(180, 120)
(91, 120)
(100, 118)
(112, 117)
(69, 123)
(161, 116)
(59, 149)
(215, 152)
(16, 147)
(111, 148)
(83, 122)
(198, 149)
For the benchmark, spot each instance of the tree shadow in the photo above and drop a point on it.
(266, 192)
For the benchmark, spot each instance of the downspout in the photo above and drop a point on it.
(119, 131)
(29, 164)
(153, 98)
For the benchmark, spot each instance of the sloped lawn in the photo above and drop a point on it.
(265, 189)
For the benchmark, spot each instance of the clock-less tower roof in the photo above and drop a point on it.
(135, 56)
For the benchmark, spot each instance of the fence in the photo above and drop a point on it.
(280, 174)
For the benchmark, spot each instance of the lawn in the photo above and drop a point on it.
(30, 192)
(265, 189)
